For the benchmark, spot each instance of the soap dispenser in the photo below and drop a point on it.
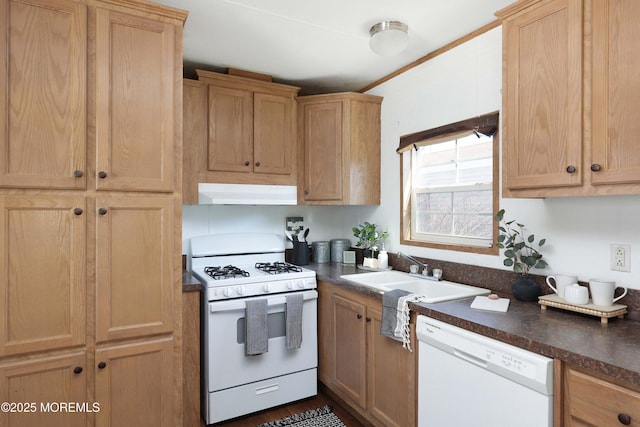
(383, 259)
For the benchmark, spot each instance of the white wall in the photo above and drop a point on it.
(459, 84)
(466, 82)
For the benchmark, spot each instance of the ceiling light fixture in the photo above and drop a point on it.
(389, 37)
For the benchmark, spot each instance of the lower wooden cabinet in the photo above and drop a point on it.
(373, 374)
(35, 389)
(144, 370)
(592, 401)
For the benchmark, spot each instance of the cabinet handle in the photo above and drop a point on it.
(102, 174)
(247, 163)
(359, 316)
(77, 211)
(257, 163)
(306, 192)
(368, 319)
(571, 169)
(78, 173)
(77, 370)
(102, 211)
(102, 365)
(595, 167)
(624, 419)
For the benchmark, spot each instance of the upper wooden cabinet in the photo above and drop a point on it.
(237, 129)
(340, 154)
(136, 102)
(569, 121)
(43, 94)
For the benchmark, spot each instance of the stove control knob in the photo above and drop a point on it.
(301, 284)
(226, 292)
(240, 290)
(290, 285)
(267, 287)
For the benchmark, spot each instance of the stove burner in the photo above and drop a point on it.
(277, 267)
(226, 272)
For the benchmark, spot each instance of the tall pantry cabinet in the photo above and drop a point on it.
(90, 210)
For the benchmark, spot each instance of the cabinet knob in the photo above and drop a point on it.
(102, 365)
(624, 419)
(102, 211)
(306, 192)
(247, 163)
(102, 174)
(368, 319)
(595, 167)
(257, 163)
(78, 173)
(77, 370)
(571, 169)
(359, 316)
(77, 211)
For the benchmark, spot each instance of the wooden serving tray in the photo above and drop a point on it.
(604, 313)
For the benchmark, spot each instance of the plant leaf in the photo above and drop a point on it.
(501, 238)
(508, 262)
(531, 239)
(509, 253)
(542, 242)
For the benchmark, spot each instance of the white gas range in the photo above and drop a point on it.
(254, 360)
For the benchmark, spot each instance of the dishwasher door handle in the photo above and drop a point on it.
(470, 358)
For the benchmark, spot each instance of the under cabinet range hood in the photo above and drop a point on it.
(247, 194)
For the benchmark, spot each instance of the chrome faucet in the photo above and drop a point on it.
(415, 261)
(437, 275)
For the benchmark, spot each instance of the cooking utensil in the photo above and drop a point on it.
(306, 233)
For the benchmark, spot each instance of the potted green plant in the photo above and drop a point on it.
(522, 253)
(368, 238)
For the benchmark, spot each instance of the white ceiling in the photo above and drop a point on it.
(320, 45)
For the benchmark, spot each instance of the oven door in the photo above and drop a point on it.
(226, 363)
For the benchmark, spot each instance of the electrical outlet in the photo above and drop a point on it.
(620, 257)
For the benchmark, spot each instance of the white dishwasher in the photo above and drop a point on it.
(466, 379)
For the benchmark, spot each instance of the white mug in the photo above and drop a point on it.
(576, 294)
(561, 283)
(602, 292)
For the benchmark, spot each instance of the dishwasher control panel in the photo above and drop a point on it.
(525, 367)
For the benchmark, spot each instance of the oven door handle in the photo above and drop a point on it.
(239, 304)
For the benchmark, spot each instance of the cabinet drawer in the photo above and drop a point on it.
(594, 401)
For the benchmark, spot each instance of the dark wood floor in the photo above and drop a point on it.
(286, 410)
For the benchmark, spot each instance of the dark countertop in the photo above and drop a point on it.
(190, 283)
(612, 349)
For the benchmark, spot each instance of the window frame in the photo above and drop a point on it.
(407, 204)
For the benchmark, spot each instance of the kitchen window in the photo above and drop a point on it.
(450, 186)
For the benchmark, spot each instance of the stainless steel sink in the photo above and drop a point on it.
(431, 291)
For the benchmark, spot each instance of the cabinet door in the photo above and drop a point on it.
(135, 385)
(323, 161)
(230, 141)
(543, 96)
(391, 375)
(349, 331)
(615, 113)
(590, 401)
(41, 385)
(273, 148)
(135, 267)
(42, 273)
(135, 102)
(43, 79)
